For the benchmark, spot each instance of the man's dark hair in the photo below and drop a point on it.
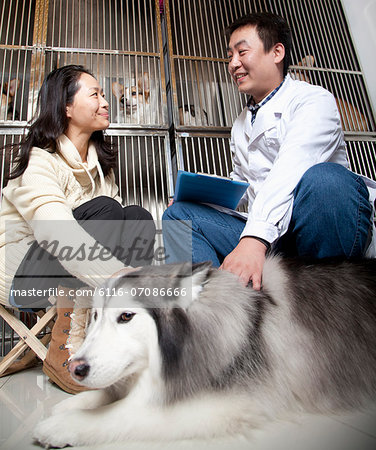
(271, 29)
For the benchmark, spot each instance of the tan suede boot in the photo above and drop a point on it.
(55, 366)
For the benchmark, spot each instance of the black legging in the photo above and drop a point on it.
(127, 232)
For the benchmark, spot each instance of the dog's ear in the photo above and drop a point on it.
(308, 61)
(144, 86)
(192, 279)
(302, 75)
(117, 89)
(200, 273)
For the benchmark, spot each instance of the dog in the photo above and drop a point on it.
(7, 101)
(189, 116)
(177, 352)
(133, 103)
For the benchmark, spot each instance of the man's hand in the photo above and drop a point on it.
(247, 261)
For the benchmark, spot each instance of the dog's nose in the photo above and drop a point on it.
(79, 369)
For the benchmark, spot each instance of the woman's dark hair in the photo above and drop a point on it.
(57, 92)
(271, 29)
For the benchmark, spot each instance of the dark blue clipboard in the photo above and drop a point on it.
(201, 188)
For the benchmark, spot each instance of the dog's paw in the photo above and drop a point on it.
(55, 432)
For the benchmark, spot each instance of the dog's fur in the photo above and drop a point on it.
(223, 358)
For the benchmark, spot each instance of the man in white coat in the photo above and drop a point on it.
(288, 145)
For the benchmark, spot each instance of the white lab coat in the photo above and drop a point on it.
(296, 129)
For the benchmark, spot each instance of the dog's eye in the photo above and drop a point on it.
(95, 316)
(125, 317)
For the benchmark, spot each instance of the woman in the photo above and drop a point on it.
(61, 203)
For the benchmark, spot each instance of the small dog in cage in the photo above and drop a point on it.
(7, 111)
(189, 116)
(133, 103)
(182, 351)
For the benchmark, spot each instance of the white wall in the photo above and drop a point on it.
(361, 17)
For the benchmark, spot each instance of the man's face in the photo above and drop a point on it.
(254, 71)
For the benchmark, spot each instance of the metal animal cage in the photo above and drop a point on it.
(163, 67)
(205, 99)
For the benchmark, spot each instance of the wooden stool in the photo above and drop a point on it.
(33, 346)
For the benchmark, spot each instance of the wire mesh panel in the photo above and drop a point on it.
(322, 53)
(111, 71)
(8, 138)
(211, 154)
(14, 82)
(16, 46)
(361, 155)
(103, 25)
(120, 41)
(143, 174)
(8, 337)
(204, 96)
(322, 44)
(203, 93)
(207, 154)
(198, 152)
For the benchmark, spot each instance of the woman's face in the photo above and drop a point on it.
(89, 110)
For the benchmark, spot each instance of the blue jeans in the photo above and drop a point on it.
(331, 217)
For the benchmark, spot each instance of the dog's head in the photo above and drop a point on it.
(122, 339)
(130, 98)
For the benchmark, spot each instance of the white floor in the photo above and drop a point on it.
(27, 396)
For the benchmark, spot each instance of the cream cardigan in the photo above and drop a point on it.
(38, 206)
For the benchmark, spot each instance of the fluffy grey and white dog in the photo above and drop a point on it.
(176, 352)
